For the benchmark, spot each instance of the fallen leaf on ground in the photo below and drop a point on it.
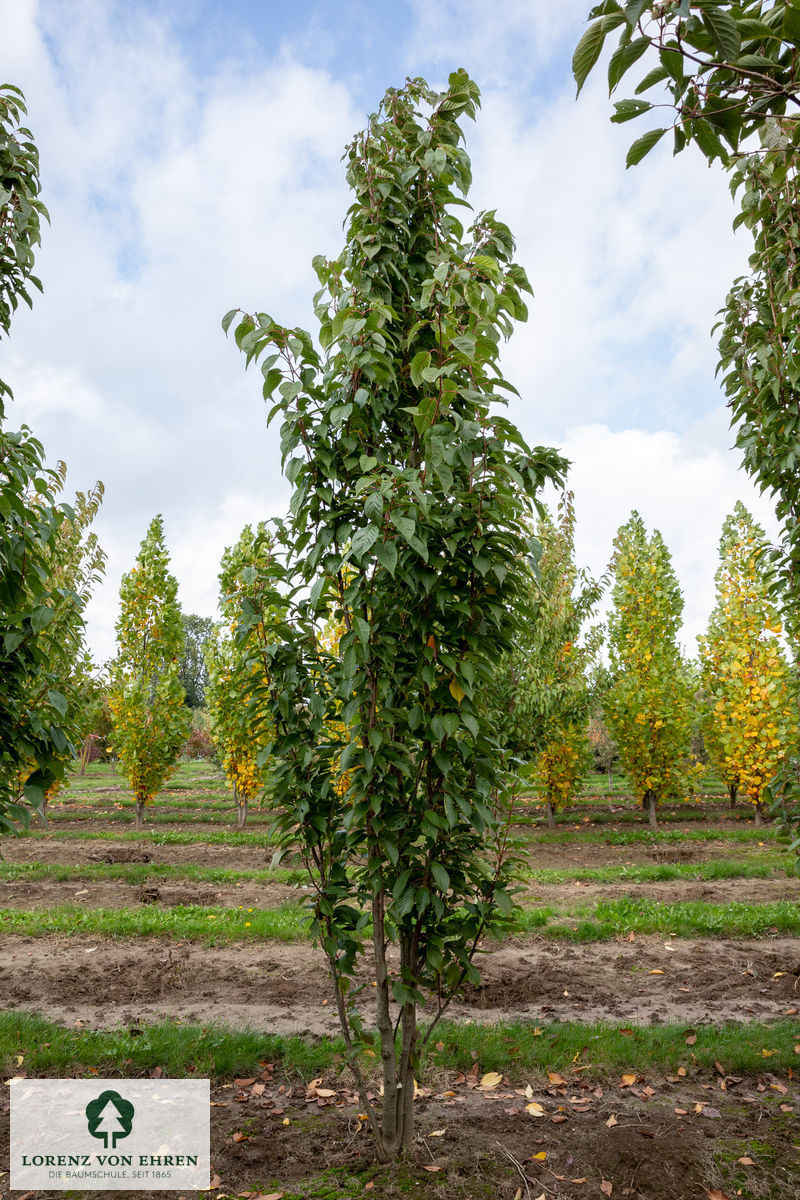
(715, 1194)
(539, 1156)
(491, 1080)
(612, 1121)
(437, 1132)
(691, 1039)
(369, 1186)
(707, 1111)
(554, 1077)
(606, 1187)
(557, 1120)
(432, 1170)
(534, 1109)
(682, 1112)
(627, 1080)
(746, 1162)
(239, 1136)
(244, 1082)
(656, 972)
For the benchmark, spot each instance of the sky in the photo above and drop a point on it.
(190, 161)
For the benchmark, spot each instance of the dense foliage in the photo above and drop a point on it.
(748, 687)
(648, 706)
(150, 719)
(411, 498)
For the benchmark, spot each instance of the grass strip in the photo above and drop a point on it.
(159, 837)
(648, 837)
(137, 873)
(127, 816)
(518, 1049)
(722, 868)
(685, 919)
(191, 922)
(215, 925)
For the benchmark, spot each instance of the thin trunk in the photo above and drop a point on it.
(86, 750)
(386, 1031)
(610, 781)
(42, 810)
(758, 819)
(139, 812)
(551, 816)
(241, 813)
(408, 1050)
(732, 792)
(650, 800)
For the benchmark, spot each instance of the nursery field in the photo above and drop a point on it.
(635, 1035)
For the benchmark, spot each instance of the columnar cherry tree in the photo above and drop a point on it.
(235, 672)
(648, 705)
(409, 524)
(150, 720)
(749, 690)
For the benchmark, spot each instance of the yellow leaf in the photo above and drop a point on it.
(534, 1109)
(612, 1121)
(540, 1156)
(456, 691)
(627, 1080)
(491, 1079)
(656, 972)
(438, 1132)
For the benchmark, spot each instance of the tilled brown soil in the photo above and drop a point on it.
(655, 1139)
(284, 988)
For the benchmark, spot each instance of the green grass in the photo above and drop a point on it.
(211, 925)
(586, 923)
(514, 1048)
(160, 837)
(761, 867)
(137, 873)
(687, 919)
(649, 837)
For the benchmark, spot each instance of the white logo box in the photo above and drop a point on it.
(110, 1134)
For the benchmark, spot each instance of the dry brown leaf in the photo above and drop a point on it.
(518, 1194)
(432, 1170)
(258, 1089)
(779, 1087)
(715, 1194)
(244, 1082)
(713, 1113)
(681, 1071)
(212, 1187)
(612, 1121)
(691, 1039)
(627, 1080)
(369, 1186)
(558, 1119)
(746, 1162)
(239, 1136)
(606, 1187)
(682, 1112)
(554, 1077)
(656, 972)
(218, 1104)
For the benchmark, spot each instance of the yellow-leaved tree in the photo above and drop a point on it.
(235, 671)
(648, 706)
(150, 721)
(751, 717)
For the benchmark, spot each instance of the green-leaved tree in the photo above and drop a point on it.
(150, 720)
(648, 705)
(408, 525)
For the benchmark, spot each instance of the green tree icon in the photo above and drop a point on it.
(109, 1117)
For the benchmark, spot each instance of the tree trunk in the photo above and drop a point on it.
(551, 816)
(241, 813)
(610, 781)
(383, 1020)
(139, 812)
(733, 792)
(650, 801)
(758, 819)
(42, 811)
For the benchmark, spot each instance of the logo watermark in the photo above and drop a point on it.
(110, 1134)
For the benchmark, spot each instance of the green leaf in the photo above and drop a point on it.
(58, 701)
(626, 110)
(725, 32)
(623, 59)
(364, 540)
(228, 318)
(643, 146)
(587, 52)
(419, 362)
(440, 877)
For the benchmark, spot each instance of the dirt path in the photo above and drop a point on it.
(284, 988)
